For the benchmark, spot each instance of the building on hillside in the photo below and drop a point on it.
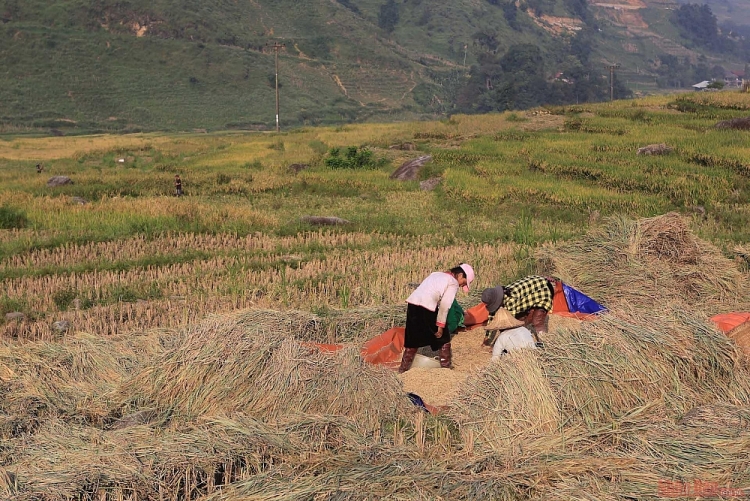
(733, 80)
(702, 85)
(560, 77)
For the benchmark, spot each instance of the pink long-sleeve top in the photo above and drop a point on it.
(437, 291)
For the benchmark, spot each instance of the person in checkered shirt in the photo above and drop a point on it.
(528, 299)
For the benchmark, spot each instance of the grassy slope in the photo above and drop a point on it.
(77, 66)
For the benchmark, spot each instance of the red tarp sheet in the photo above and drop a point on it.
(476, 316)
(386, 348)
(729, 321)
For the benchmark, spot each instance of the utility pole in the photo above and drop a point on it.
(612, 68)
(276, 47)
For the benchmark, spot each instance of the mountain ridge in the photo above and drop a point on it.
(140, 65)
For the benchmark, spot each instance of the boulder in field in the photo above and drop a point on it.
(324, 220)
(655, 149)
(409, 170)
(58, 181)
(742, 123)
(15, 315)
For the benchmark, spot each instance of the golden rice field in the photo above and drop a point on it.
(184, 369)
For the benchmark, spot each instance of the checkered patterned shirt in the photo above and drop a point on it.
(529, 292)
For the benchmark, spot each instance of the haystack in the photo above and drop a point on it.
(600, 371)
(648, 263)
(234, 363)
(69, 379)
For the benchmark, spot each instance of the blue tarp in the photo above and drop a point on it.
(417, 400)
(578, 302)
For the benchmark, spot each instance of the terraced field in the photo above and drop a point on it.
(163, 347)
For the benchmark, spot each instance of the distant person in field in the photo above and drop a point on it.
(427, 314)
(528, 299)
(178, 185)
(505, 333)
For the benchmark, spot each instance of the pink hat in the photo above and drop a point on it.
(469, 272)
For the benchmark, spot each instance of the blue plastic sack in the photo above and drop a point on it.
(578, 302)
(417, 400)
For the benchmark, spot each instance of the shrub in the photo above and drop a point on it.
(352, 158)
(63, 298)
(12, 218)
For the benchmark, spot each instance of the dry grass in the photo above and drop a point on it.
(649, 262)
(238, 407)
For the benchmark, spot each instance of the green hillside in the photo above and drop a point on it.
(734, 11)
(70, 66)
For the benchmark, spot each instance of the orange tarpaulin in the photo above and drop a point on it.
(728, 321)
(386, 348)
(559, 303)
(736, 326)
(476, 315)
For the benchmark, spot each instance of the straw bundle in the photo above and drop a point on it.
(667, 238)
(598, 372)
(508, 402)
(230, 364)
(647, 263)
(63, 461)
(69, 379)
(626, 360)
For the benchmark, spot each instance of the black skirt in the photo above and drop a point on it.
(421, 328)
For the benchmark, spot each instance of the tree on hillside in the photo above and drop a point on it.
(510, 12)
(698, 24)
(349, 5)
(513, 81)
(388, 17)
(10, 11)
(487, 41)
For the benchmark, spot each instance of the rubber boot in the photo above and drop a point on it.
(407, 359)
(446, 356)
(541, 320)
(538, 321)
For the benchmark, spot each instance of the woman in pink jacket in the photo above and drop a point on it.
(427, 311)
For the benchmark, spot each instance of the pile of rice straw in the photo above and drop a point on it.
(648, 263)
(641, 403)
